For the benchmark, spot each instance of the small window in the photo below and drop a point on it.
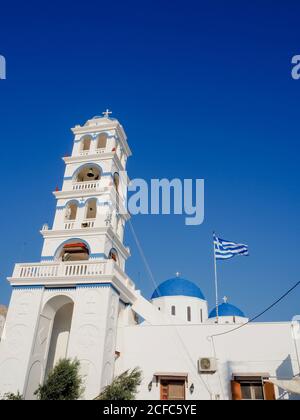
(201, 316)
(86, 144)
(91, 209)
(173, 310)
(102, 140)
(71, 211)
(189, 314)
(113, 255)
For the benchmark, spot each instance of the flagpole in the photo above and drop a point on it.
(216, 284)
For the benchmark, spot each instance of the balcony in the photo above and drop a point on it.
(86, 185)
(59, 273)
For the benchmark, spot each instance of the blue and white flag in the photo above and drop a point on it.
(226, 249)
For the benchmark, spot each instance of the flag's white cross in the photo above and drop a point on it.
(107, 113)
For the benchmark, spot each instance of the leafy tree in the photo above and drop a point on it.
(62, 383)
(10, 396)
(123, 387)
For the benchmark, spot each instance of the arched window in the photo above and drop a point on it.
(74, 251)
(189, 314)
(173, 310)
(91, 209)
(102, 140)
(116, 179)
(71, 211)
(89, 173)
(113, 255)
(86, 143)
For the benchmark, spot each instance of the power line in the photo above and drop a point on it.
(261, 313)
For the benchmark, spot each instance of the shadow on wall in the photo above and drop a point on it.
(285, 371)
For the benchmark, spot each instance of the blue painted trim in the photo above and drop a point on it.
(45, 259)
(98, 255)
(29, 287)
(97, 285)
(61, 288)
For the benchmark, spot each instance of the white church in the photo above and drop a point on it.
(78, 302)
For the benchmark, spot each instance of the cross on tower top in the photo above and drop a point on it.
(177, 274)
(225, 299)
(107, 113)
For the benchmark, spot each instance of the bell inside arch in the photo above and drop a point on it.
(91, 173)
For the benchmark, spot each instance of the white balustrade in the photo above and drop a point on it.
(69, 225)
(89, 185)
(59, 269)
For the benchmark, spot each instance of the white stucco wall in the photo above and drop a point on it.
(255, 348)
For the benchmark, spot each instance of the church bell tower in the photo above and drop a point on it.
(68, 304)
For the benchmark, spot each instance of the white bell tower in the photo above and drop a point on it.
(68, 304)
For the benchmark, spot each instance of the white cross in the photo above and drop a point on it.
(177, 274)
(107, 113)
(225, 299)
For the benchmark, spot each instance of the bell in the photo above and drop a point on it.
(90, 173)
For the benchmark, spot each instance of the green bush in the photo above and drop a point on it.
(123, 387)
(62, 383)
(12, 397)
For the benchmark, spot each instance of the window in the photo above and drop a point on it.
(189, 314)
(252, 391)
(91, 209)
(252, 388)
(116, 180)
(201, 316)
(86, 144)
(71, 211)
(113, 255)
(102, 140)
(173, 310)
(172, 389)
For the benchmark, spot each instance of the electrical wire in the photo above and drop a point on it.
(261, 313)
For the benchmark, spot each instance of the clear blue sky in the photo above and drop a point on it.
(203, 90)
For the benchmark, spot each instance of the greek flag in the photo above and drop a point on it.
(226, 249)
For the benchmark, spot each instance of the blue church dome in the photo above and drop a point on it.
(177, 287)
(226, 309)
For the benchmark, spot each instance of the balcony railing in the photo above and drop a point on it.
(56, 272)
(89, 185)
(86, 224)
(59, 269)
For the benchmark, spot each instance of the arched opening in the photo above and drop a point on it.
(102, 141)
(116, 180)
(189, 313)
(89, 173)
(71, 211)
(86, 144)
(91, 209)
(60, 335)
(113, 255)
(51, 341)
(74, 251)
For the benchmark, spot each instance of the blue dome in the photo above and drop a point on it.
(227, 310)
(177, 287)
